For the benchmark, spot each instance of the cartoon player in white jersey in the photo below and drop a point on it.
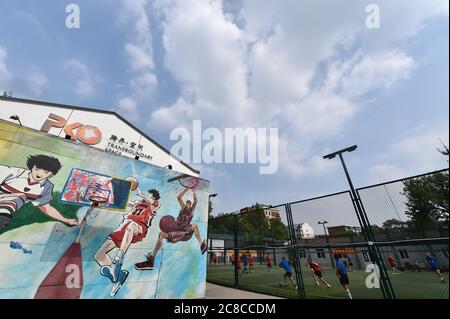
(19, 186)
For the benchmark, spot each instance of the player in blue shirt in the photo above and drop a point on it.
(287, 268)
(341, 273)
(245, 263)
(434, 265)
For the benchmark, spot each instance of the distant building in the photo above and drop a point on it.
(342, 229)
(269, 212)
(304, 231)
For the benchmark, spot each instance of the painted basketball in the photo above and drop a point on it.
(167, 223)
(134, 182)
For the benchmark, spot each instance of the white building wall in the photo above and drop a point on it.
(34, 115)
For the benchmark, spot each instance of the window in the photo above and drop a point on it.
(320, 253)
(445, 252)
(302, 254)
(366, 256)
(403, 254)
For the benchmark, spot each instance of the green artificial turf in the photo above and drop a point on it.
(408, 284)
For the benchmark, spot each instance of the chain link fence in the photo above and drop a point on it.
(401, 253)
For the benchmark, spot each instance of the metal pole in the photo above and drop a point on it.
(373, 249)
(297, 267)
(236, 253)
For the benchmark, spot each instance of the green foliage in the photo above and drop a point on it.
(29, 214)
(278, 230)
(221, 224)
(254, 225)
(427, 201)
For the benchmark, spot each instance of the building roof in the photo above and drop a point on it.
(74, 107)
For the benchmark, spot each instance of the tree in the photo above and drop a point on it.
(254, 225)
(221, 224)
(427, 201)
(210, 206)
(277, 230)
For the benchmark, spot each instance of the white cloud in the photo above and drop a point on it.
(139, 49)
(85, 83)
(127, 107)
(412, 155)
(260, 68)
(36, 82)
(376, 71)
(5, 75)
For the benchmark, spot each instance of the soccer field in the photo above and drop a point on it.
(410, 285)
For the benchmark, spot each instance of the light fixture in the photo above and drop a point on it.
(16, 118)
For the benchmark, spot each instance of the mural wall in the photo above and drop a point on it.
(76, 222)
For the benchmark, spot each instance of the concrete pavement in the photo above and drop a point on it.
(219, 292)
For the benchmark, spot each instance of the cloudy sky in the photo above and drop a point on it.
(312, 69)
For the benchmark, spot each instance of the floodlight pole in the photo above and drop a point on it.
(386, 286)
(328, 242)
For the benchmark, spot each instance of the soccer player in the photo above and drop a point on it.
(341, 273)
(245, 262)
(288, 273)
(349, 263)
(393, 265)
(20, 186)
(177, 230)
(317, 273)
(269, 263)
(251, 262)
(133, 229)
(434, 265)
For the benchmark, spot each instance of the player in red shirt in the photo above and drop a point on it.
(269, 263)
(251, 262)
(317, 273)
(133, 229)
(393, 265)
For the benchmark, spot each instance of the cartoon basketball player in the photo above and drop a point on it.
(20, 186)
(133, 229)
(177, 230)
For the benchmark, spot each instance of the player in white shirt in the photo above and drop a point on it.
(19, 186)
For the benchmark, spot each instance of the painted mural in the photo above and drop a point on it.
(77, 222)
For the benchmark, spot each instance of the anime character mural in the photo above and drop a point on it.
(19, 186)
(176, 230)
(133, 229)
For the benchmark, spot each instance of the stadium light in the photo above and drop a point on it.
(348, 149)
(212, 195)
(16, 118)
(323, 224)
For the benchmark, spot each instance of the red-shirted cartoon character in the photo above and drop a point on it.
(19, 186)
(175, 230)
(133, 229)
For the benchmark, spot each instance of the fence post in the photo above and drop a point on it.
(374, 251)
(236, 252)
(293, 240)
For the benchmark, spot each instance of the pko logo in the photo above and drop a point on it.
(76, 131)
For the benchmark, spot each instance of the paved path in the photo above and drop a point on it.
(219, 292)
